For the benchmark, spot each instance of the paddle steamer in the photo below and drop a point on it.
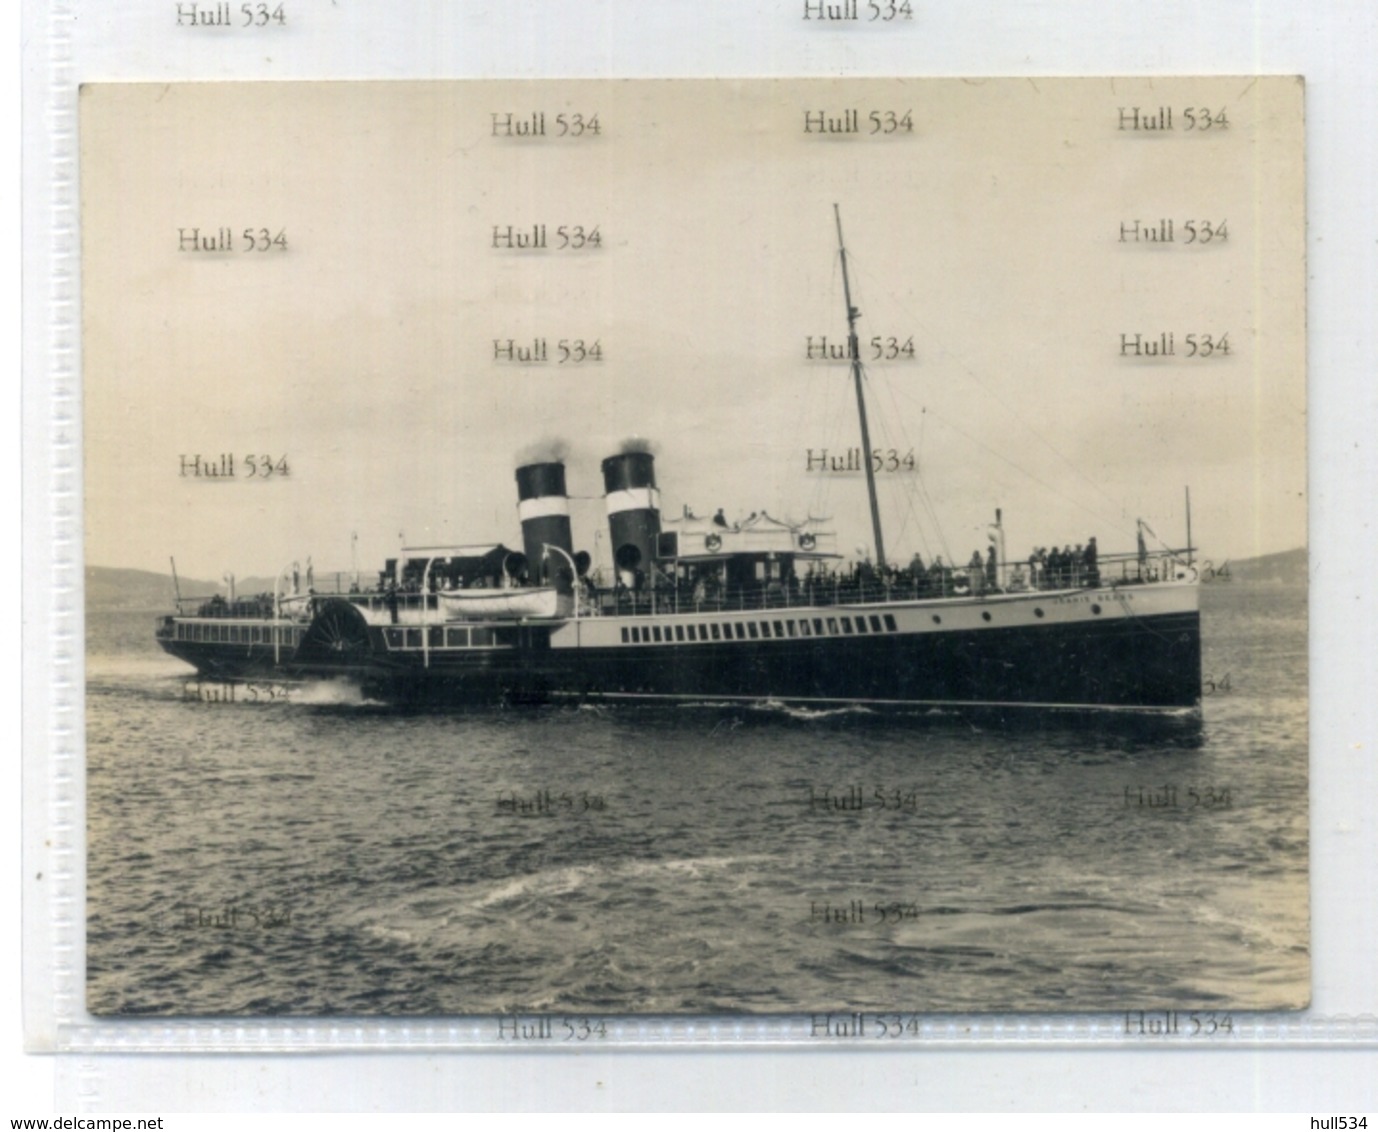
(703, 610)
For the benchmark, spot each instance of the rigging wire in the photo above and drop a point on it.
(897, 416)
(920, 478)
(923, 489)
(889, 423)
(1025, 471)
(907, 491)
(1119, 522)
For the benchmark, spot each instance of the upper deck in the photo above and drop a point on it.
(724, 583)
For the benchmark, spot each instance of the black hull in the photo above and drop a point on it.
(1151, 664)
(1132, 663)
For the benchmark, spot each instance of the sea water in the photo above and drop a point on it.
(306, 851)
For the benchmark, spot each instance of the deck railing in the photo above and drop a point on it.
(857, 586)
(295, 606)
(872, 588)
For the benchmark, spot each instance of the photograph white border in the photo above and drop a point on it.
(1332, 46)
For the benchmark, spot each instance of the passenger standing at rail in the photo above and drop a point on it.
(918, 576)
(1089, 561)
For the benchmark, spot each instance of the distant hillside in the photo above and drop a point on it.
(110, 588)
(1287, 568)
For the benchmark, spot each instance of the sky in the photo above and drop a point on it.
(360, 348)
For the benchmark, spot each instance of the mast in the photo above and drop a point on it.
(854, 351)
(1189, 554)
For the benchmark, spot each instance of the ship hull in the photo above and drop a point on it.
(1136, 649)
(1154, 665)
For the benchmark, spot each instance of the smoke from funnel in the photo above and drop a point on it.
(549, 450)
(638, 445)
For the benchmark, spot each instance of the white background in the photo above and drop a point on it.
(1333, 44)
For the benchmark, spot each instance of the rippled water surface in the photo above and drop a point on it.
(325, 855)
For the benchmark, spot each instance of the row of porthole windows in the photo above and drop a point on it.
(986, 614)
(698, 632)
(238, 634)
(450, 637)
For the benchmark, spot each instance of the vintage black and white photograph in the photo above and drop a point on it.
(828, 547)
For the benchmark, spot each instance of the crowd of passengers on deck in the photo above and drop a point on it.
(1071, 567)
(821, 583)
